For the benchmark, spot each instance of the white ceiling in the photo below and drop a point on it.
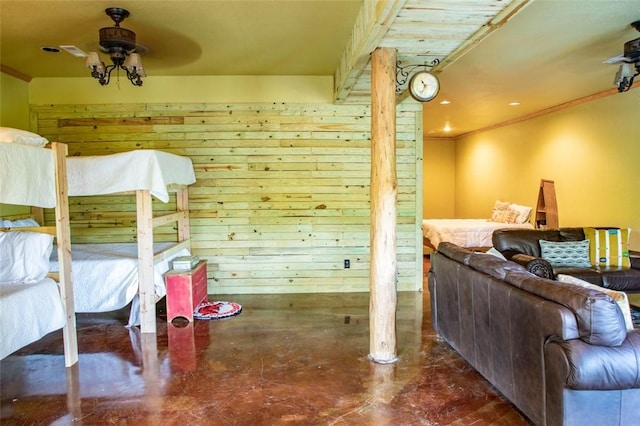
(549, 53)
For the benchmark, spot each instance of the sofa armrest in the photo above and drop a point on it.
(535, 265)
(635, 262)
(587, 367)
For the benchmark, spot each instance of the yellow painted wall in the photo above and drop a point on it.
(438, 178)
(14, 112)
(591, 151)
(14, 102)
(310, 89)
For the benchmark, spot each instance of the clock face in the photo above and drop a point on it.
(424, 86)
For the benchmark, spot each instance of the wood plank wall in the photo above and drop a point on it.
(282, 191)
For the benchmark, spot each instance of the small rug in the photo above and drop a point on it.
(216, 310)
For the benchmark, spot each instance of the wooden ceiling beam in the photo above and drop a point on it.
(373, 22)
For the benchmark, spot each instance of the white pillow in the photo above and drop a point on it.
(23, 137)
(24, 256)
(619, 297)
(19, 223)
(523, 212)
(494, 252)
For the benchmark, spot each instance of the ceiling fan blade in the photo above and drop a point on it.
(617, 60)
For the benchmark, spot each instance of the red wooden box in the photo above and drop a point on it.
(185, 290)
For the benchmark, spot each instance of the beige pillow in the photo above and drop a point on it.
(619, 297)
(500, 211)
(523, 212)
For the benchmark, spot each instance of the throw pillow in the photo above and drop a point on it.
(609, 247)
(620, 297)
(499, 209)
(494, 252)
(24, 256)
(523, 213)
(566, 254)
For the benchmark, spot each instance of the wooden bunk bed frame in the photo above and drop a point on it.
(145, 224)
(61, 230)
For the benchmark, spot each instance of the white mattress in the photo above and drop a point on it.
(128, 171)
(105, 276)
(464, 232)
(27, 175)
(27, 313)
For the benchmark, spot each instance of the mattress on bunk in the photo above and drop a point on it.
(105, 276)
(31, 173)
(128, 171)
(29, 312)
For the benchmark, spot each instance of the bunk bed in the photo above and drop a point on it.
(147, 173)
(34, 302)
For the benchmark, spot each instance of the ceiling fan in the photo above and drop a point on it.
(629, 60)
(120, 44)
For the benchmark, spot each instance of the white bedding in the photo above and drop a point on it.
(105, 276)
(128, 171)
(32, 183)
(28, 312)
(464, 232)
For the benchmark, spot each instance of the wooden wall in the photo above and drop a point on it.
(282, 191)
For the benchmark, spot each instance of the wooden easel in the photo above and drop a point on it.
(547, 207)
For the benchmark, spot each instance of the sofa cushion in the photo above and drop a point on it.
(609, 247)
(566, 254)
(512, 241)
(600, 321)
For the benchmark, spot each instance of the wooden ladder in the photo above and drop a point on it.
(547, 207)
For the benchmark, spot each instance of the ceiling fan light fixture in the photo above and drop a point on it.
(625, 76)
(120, 44)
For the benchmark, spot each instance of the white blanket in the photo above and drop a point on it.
(464, 232)
(105, 276)
(27, 313)
(128, 171)
(27, 176)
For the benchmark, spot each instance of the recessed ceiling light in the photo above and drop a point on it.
(445, 102)
(447, 127)
(50, 49)
(515, 103)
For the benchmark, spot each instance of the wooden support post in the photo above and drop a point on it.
(63, 241)
(384, 188)
(146, 290)
(182, 205)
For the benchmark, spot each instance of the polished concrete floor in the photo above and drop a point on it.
(285, 360)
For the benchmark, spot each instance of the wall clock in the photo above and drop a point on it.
(424, 86)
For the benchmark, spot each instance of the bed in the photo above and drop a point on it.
(147, 173)
(474, 234)
(33, 302)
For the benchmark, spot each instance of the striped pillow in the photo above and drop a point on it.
(609, 247)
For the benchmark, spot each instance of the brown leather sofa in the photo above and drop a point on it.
(559, 352)
(522, 247)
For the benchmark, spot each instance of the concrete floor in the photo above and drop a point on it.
(285, 360)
